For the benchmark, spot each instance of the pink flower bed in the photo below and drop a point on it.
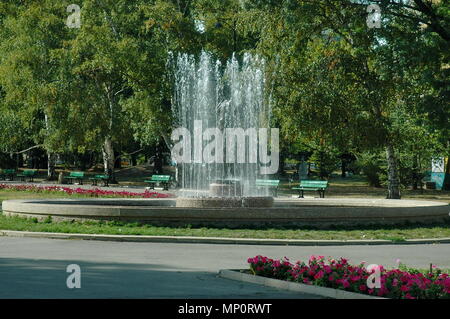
(339, 274)
(81, 191)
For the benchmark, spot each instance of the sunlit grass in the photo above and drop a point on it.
(394, 233)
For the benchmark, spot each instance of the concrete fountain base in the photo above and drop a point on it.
(224, 202)
(315, 212)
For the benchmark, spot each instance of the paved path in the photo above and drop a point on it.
(36, 268)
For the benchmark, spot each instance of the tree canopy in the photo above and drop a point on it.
(338, 86)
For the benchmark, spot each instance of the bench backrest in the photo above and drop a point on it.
(267, 182)
(9, 171)
(102, 176)
(76, 174)
(160, 178)
(312, 184)
(30, 172)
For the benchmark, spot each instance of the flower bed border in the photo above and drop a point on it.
(241, 275)
(86, 192)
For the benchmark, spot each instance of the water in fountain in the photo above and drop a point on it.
(220, 96)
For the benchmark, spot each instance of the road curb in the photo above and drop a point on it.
(292, 286)
(217, 240)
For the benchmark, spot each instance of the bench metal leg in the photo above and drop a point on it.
(300, 193)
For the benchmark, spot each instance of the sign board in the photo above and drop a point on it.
(438, 165)
(438, 175)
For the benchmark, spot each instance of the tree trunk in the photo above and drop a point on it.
(133, 160)
(343, 168)
(158, 162)
(108, 159)
(393, 177)
(51, 163)
(415, 173)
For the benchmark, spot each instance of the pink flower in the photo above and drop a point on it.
(395, 282)
(319, 275)
(345, 283)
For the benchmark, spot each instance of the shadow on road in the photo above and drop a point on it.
(31, 278)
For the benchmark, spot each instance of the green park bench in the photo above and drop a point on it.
(30, 174)
(75, 176)
(271, 184)
(319, 186)
(8, 174)
(159, 180)
(100, 178)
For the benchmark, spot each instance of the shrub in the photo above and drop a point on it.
(326, 162)
(373, 166)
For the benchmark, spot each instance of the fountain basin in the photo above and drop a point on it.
(319, 213)
(221, 189)
(224, 202)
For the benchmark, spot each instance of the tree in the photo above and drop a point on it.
(337, 78)
(28, 71)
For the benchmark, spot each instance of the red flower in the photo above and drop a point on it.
(404, 288)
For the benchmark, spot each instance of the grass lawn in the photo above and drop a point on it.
(389, 233)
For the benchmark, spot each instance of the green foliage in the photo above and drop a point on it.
(336, 86)
(372, 166)
(326, 160)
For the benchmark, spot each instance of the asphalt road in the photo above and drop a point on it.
(36, 268)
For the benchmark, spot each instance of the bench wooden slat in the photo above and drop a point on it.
(100, 177)
(308, 185)
(8, 172)
(160, 178)
(28, 173)
(156, 179)
(76, 176)
(269, 183)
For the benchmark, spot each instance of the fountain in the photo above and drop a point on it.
(210, 101)
(214, 106)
